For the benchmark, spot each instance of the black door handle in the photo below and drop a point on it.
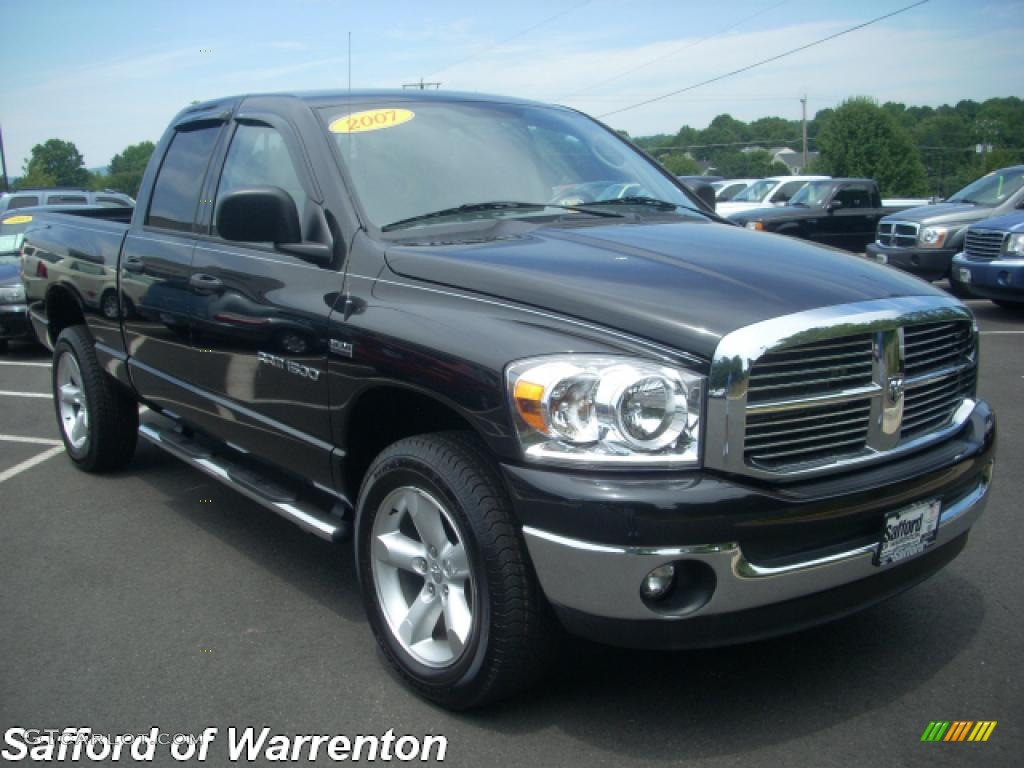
(133, 265)
(204, 283)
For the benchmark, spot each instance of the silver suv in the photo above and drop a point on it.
(25, 198)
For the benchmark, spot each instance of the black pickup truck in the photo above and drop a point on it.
(529, 375)
(842, 213)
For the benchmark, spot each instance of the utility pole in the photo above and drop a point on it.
(3, 160)
(421, 85)
(803, 107)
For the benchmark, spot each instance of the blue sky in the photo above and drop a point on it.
(105, 75)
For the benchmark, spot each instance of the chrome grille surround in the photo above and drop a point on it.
(984, 244)
(897, 234)
(902, 406)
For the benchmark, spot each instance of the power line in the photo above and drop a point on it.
(674, 51)
(768, 60)
(491, 47)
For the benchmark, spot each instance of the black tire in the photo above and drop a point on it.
(514, 635)
(1013, 306)
(113, 415)
(109, 305)
(3, 346)
(959, 290)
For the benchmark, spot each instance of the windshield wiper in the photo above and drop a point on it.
(496, 205)
(651, 202)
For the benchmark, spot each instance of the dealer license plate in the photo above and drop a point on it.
(965, 275)
(908, 532)
(881, 258)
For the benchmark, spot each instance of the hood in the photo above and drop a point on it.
(943, 213)
(681, 283)
(9, 273)
(1010, 222)
(776, 212)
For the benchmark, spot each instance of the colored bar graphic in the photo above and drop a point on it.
(935, 730)
(958, 730)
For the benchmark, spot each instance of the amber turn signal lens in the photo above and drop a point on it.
(527, 396)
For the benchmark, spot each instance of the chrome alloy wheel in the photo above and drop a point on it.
(422, 576)
(74, 413)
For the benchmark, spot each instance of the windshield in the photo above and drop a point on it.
(12, 232)
(408, 159)
(756, 192)
(813, 194)
(992, 189)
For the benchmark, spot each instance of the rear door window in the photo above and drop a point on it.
(176, 192)
(66, 200)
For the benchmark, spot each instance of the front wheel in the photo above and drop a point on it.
(448, 588)
(98, 421)
(958, 289)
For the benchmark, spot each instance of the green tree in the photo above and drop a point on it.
(679, 164)
(754, 164)
(58, 162)
(862, 139)
(127, 167)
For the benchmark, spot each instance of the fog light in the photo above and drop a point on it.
(658, 582)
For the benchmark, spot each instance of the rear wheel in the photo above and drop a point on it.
(448, 588)
(98, 420)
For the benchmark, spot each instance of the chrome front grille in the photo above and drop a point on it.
(983, 244)
(812, 369)
(939, 372)
(898, 234)
(822, 390)
(788, 437)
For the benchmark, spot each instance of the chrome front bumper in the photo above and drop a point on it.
(604, 581)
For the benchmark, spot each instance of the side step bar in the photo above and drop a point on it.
(262, 490)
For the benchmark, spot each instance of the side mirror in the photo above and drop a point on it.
(835, 205)
(704, 191)
(258, 215)
(267, 215)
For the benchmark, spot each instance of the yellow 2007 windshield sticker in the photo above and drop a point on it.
(18, 220)
(371, 120)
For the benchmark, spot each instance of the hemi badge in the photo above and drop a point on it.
(343, 348)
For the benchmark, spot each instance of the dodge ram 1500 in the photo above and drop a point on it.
(536, 382)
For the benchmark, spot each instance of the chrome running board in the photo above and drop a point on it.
(330, 525)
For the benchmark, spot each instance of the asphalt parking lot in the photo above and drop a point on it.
(156, 597)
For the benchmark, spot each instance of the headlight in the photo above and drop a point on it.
(1014, 246)
(12, 294)
(589, 409)
(757, 226)
(932, 237)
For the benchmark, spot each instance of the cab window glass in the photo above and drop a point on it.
(259, 157)
(854, 197)
(66, 200)
(176, 193)
(23, 202)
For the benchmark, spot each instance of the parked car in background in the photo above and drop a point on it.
(774, 190)
(842, 213)
(727, 189)
(14, 322)
(29, 198)
(924, 240)
(991, 266)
